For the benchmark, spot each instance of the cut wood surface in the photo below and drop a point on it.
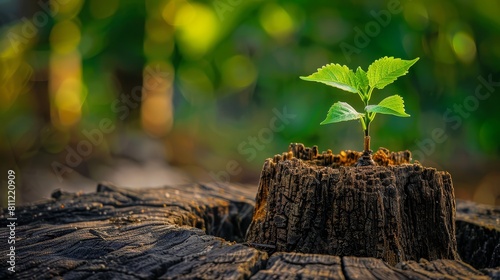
(395, 212)
(478, 234)
(171, 233)
(224, 211)
(315, 266)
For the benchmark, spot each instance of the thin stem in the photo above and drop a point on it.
(363, 123)
(369, 95)
(371, 116)
(367, 144)
(366, 126)
(367, 138)
(366, 120)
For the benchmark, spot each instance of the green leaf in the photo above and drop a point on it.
(386, 70)
(334, 75)
(392, 105)
(341, 112)
(361, 79)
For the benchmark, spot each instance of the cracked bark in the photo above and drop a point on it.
(319, 203)
(478, 234)
(169, 233)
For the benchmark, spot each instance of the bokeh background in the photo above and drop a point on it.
(145, 93)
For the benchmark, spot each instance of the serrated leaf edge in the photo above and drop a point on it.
(345, 105)
(398, 114)
(342, 86)
(391, 57)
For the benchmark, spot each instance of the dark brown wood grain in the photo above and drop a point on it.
(478, 234)
(395, 212)
(115, 233)
(315, 266)
(172, 233)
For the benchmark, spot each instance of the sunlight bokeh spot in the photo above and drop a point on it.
(171, 9)
(157, 115)
(66, 9)
(276, 21)
(69, 102)
(65, 37)
(197, 28)
(66, 90)
(157, 108)
(464, 47)
(238, 71)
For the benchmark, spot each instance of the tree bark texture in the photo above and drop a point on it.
(319, 203)
(478, 234)
(171, 233)
(114, 233)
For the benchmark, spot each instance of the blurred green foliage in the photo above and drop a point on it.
(231, 62)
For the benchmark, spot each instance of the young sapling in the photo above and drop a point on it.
(381, 73)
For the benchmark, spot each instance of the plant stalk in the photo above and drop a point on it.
(366, 157)
(367, 134)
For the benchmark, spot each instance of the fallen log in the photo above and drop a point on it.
(171, 233)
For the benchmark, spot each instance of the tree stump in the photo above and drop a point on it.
(320, 203)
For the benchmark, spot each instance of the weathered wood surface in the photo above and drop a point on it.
(395, 212)
(478, 234)
(167, 233)
(314, 266)
(123, 234)
(223, 211)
